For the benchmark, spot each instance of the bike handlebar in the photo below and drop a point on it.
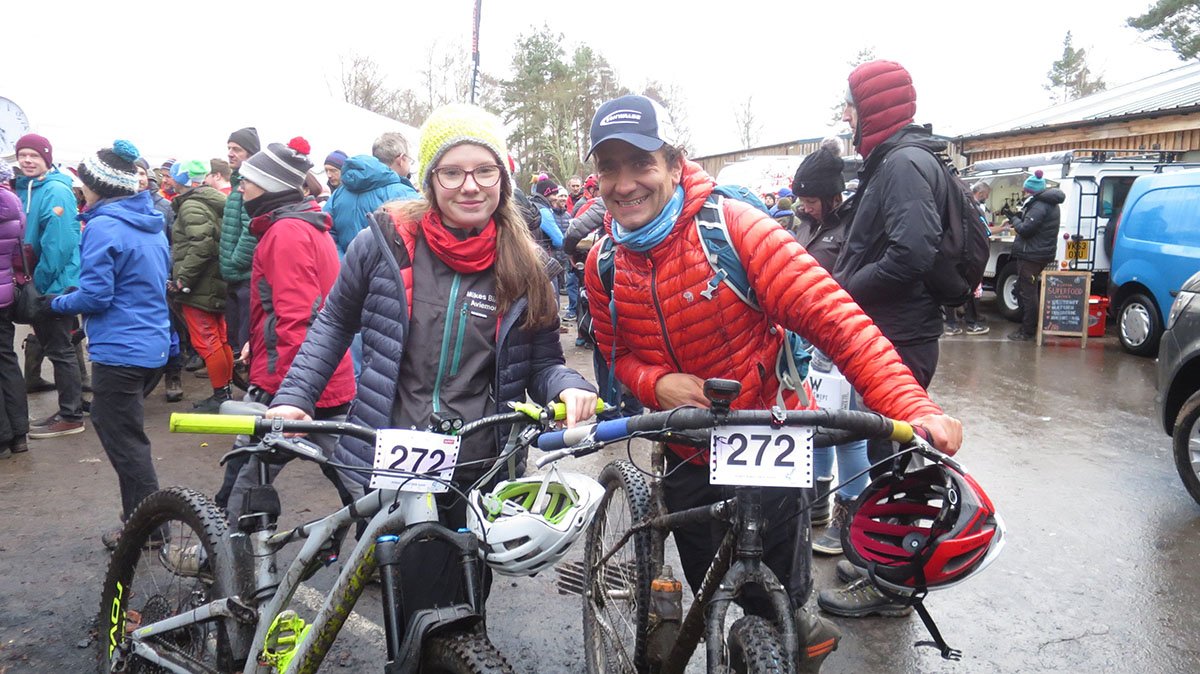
(861, 424)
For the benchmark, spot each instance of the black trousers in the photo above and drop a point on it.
(922, 359)
(55, 335)
(787, 537)
(237, 315)
(1029, 275)
(118, 416)
(14, 405)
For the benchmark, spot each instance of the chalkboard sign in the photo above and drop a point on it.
(1063, 307)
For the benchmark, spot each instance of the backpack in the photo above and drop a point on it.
(962, 252)
(791, 364)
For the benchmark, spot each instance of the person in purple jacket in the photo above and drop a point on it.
(14, 406)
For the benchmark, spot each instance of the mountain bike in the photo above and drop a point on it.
(184, 593)
(624, 630)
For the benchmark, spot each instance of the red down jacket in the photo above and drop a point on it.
(724, 337)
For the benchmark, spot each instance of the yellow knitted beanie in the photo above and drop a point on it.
(456, 124)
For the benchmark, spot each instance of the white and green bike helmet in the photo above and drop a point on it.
(524, 526)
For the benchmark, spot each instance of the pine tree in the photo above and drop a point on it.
(1176, 22)
(1070, 77)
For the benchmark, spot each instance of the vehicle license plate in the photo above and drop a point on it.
(1078, 250)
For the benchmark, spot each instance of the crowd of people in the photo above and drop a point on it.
(394, 300)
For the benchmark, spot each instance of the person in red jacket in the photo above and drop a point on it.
(671, 335)
(295, 265)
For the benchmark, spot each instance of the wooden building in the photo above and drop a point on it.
(1156, 113)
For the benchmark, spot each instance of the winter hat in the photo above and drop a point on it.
(39, 144)
(784, 193)
(110, 172)
(279, 168)
(562, 192)
(820, 174)
(141, 163)
(189, 172)
(546, 187)
(6, 172)
(455, 124)
(1035, 183)
(883, 93)
(785, 203)
(337, 158)
(247, 138)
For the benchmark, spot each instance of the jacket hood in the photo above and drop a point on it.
(307, 211)
(136, 211)
(1051, 195)
(886, 101)
(52, 176)
(211, 196)
(362, 173)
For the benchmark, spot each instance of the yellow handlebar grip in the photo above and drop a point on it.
(901, 431)
(560, 409)
(223, 424)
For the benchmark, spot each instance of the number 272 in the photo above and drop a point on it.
(742, 443)
(437, 456)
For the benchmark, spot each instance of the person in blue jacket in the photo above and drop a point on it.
(52, 232)
(366, 185)
(122, 296)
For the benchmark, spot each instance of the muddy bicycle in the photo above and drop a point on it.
(627, 628)
(183, 593)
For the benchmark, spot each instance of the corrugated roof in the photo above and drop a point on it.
(1174, 89)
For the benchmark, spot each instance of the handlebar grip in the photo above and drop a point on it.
(222, 424)
(601, 432)
(560, 409)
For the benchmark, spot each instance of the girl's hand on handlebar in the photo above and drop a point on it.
(944, 430)
(581, 405)
(290, 413)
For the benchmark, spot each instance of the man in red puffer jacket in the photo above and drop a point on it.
(673, 331)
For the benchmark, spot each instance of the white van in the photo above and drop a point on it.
(1096, 183)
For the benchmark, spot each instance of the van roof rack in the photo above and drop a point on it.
(1066, 157)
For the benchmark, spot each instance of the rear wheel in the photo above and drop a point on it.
(462, 653)
(755, 648)
(616, 596)
(173, 557)
(1139, 326)
(1186, 443)
(1006, 292)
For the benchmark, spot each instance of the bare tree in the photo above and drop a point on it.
(748, 125)
(839, 106)
(363, 85)
(670, 96)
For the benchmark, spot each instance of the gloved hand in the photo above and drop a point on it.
(44, 311)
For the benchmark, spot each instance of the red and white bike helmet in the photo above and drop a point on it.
(524, 526)
(923, 530)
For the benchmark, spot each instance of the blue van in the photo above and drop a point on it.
(1157, 248)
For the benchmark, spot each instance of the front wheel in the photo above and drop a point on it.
(462, 653)
(1139, 326)
(1186, 442)
(616, 594)
(755, 647)
(1006, 292)
(173, 557)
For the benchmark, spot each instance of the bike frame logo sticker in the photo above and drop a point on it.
(116, 617)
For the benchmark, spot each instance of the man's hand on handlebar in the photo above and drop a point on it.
(680, 390)
(945, 431)
(290, 413)
(581, 405)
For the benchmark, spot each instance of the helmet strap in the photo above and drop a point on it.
(917, 601)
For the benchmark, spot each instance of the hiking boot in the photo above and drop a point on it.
(978, 329)
(174, 386)
(112, 537)
(1019, 336)
(55, 426)
(188, 561)
(571, 315)
(818, 638)
(830, 540)
(38, 385)
(847, 572)
(819, 515)
(212, 404)
(860, 599)
(19, 445)
(951, 329)
(194, 362)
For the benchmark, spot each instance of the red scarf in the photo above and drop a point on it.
(474, 254)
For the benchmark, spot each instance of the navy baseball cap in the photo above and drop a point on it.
(637, 120)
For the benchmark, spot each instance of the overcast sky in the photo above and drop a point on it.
(973, 64)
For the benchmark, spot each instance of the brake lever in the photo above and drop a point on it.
(248, 450)
(576, 452)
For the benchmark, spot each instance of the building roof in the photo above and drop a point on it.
(1173, 90)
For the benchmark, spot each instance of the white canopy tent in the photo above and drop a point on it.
(195, 121)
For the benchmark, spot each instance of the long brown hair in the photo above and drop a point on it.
(520, 265)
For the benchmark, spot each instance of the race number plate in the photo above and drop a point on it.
(761, 457)
(415, 452)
